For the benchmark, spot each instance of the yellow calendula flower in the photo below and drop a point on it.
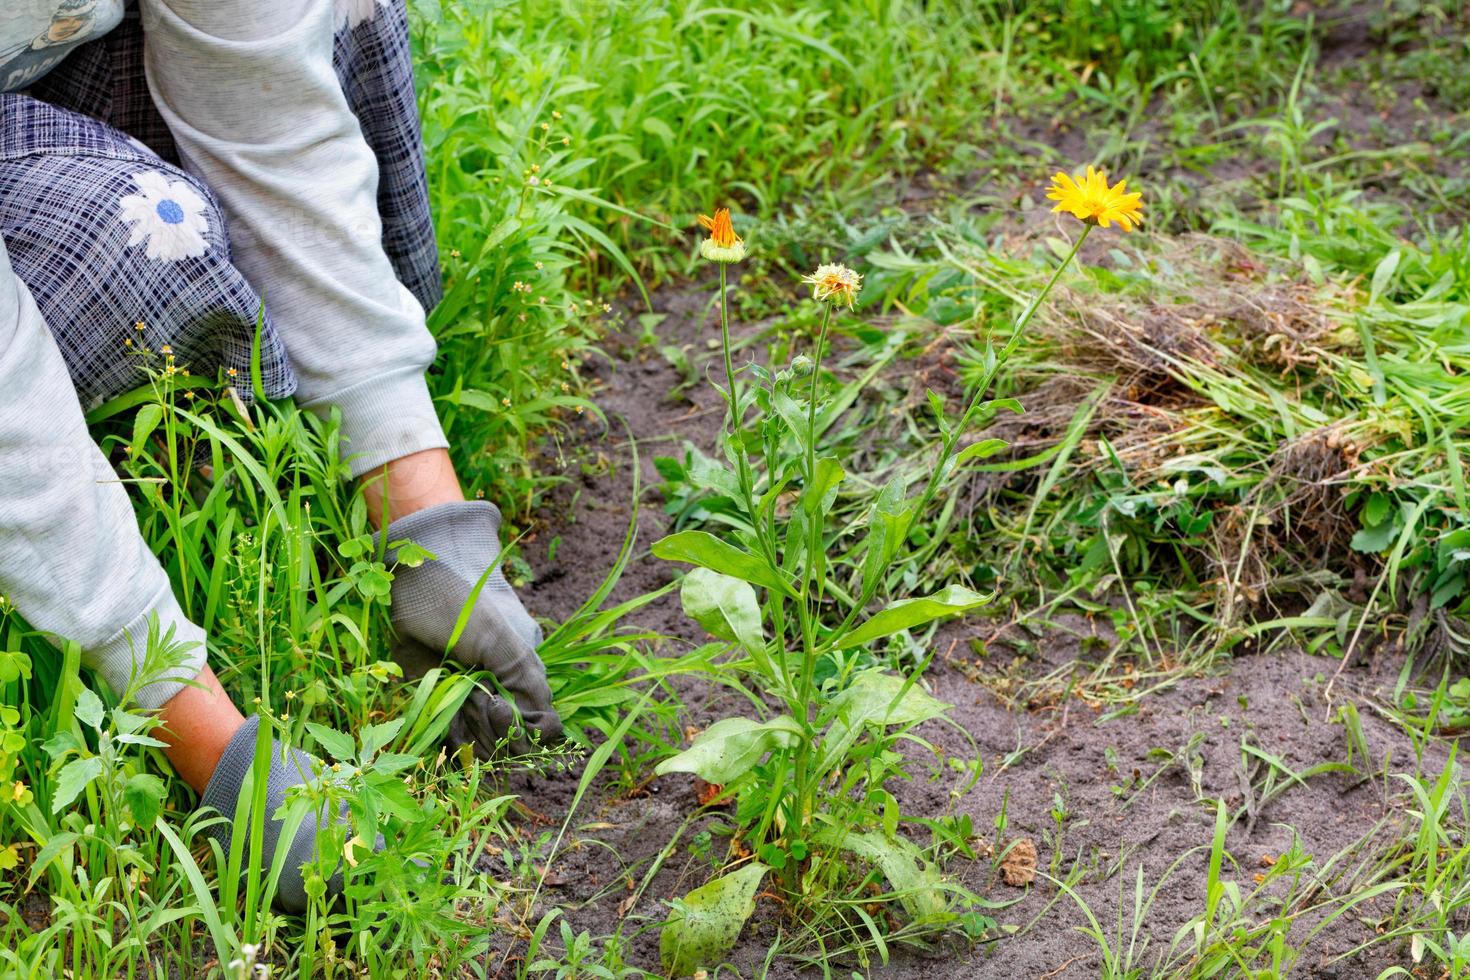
(722, 245)
(835, 284)
(1090, 199)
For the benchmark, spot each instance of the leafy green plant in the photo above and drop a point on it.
(809, 776)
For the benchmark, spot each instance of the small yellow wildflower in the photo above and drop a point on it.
(722, 245)
(835, 284)
(1092, 200)
(20, 794)
(352, 845)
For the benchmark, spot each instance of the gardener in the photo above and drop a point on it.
(121, 167)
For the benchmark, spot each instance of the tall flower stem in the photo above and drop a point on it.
(744, 475)
(816, 555)
(947, 453)
(737, 410)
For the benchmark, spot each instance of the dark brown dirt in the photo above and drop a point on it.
(1075, 785)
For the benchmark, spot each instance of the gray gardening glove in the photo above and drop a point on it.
(223, 793)
(500, 637)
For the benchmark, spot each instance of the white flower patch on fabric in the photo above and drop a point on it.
(350, 13)
(168, 215)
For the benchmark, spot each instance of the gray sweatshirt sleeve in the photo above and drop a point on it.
(72, 560)
(248, 89)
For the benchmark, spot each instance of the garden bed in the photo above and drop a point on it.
(1100, 792)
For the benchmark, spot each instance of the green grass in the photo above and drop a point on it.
(1247, 428)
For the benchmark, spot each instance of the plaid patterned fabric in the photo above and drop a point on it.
(72, 150)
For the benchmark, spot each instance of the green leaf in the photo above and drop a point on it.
(817, 499)
(908, 613)
(726, 607)
(705, 923)
(731, 747)
(89, 708)
(1375, 539)
(14, 665)
(916, 882)
(339, 746)
(72, 779)
(1376, 509)
(144, 423)
(144, 794)
(981, 449)
(876, 696)
(1383, 276)
(704, 549)
(374, 737)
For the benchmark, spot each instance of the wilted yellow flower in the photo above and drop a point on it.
(350, 847)
(20, 794)
(835, 283)
(1092, 200)
(722, 245)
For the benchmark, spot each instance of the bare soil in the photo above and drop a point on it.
(1065, 759)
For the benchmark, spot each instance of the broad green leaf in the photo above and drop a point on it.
(339, 746)
(705, 923)
(726, 607)
(704, 549)
(144, 423)
(1375, 539)
(144, 794)
(730, 747)
(89, 708)
(13, 666)
(879, 697)
(374, 737)
(908, 613)
(916, 882)
(875, 697)
(72, 779)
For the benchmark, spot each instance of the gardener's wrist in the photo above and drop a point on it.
(409, 484)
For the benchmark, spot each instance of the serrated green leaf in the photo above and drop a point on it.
(143, 795)
(339, 746)
(72, 779)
